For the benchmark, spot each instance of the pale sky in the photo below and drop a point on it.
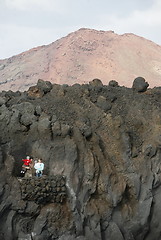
(25, 24)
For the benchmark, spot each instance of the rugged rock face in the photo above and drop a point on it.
(85, 54)
(101, 146)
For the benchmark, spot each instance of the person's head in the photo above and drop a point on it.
(39, 160)
(28, 157)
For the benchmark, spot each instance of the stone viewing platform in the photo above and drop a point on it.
(44, 189)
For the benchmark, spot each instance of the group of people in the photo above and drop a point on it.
(32, 167)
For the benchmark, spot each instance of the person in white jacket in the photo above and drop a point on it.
(39, 166)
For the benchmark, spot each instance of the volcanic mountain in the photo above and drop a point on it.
(82, 56)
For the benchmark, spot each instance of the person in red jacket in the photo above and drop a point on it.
(27, 161)
(26, 164)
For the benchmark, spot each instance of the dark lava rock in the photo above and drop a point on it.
(44, 86)
(2, 101)
(113, 83)
(140, 85)
(101, 148)
(96, 82)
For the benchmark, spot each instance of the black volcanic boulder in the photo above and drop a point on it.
(96, 82)
(140, 85)
(113, 83)
(44, 86)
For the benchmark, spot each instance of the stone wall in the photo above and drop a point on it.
(43, 190)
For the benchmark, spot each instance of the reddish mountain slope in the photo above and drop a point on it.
(82, 56)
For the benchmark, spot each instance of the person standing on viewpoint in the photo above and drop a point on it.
(39, 166)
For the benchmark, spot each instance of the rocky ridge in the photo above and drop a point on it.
(82, 56)
(101, 144)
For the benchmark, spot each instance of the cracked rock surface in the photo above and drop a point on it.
(101, 146)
